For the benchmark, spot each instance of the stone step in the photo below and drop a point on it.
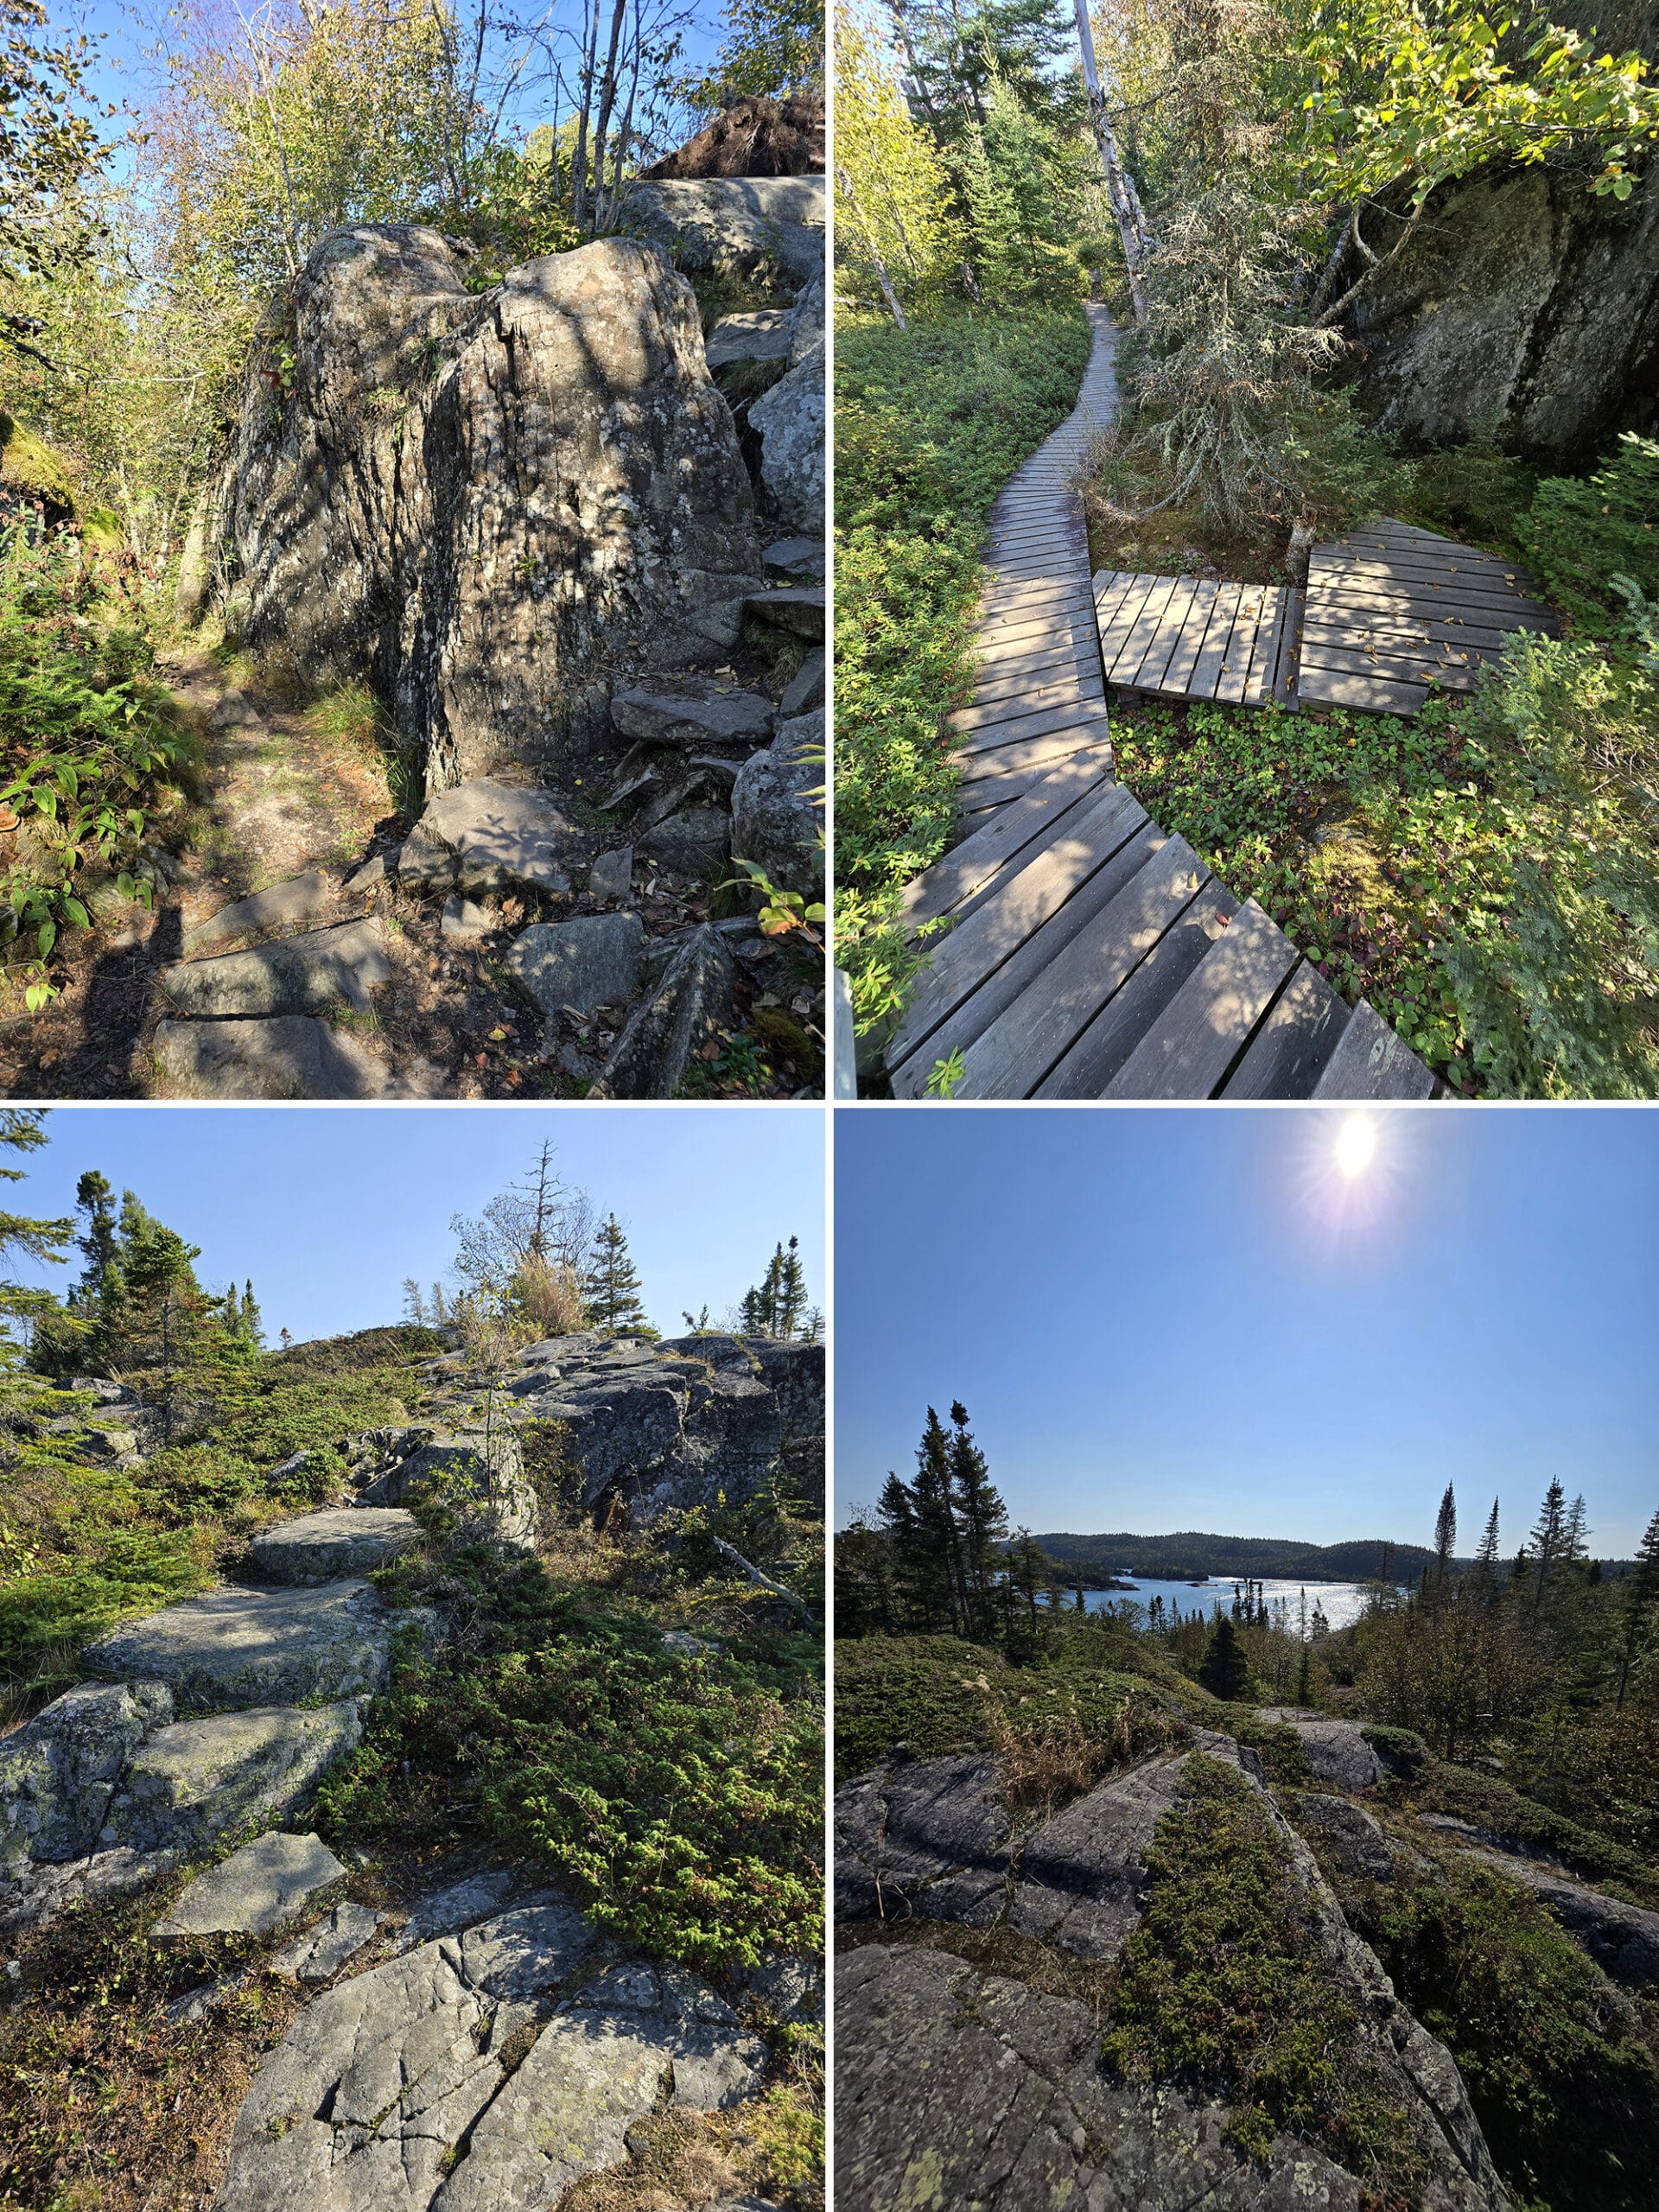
(197, 1779)
(296, 975)
(289, 1056)
(281, 906)
(332, 1546)
(240, 1648)
(255, 1890)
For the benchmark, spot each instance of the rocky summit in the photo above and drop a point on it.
(975, 1988)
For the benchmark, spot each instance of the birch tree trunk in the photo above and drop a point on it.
(1120, 187)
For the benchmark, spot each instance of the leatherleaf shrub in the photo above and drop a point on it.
(1222, 1988)
(681, 1794)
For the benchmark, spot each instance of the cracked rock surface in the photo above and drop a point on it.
(480, 2071)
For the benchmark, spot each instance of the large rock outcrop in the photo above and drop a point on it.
(957, 2084)
(733, 225)
(1525, 300)
(497, 506)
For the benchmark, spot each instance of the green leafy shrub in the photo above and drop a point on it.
(681, 1796)
(87, 742)
(1475, 489)
(1487, 1802)
(1580, 532)
(929, 425)
(1566, 2088)
(1222, 1988)
(1284, 1755)
(1401, 1750)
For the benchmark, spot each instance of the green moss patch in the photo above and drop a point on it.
(1223, 1989)
(1564, 2082)
(1490, 1803)
(28, 465)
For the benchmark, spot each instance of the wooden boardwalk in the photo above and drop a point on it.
(1179, 638)
(1091, 955)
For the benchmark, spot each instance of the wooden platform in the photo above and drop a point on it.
(1178, 638)
(1091, 955)
(1393, 613)
(1390, 613)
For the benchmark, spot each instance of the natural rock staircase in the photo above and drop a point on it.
(1090, 954)
(497, 2046)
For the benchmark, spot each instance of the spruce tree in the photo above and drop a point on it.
(94, 1202)
(611, 1285)
(1548, 1536)
(252, 1321)
(984, 1521)
(1639, 1599)
(1223, 1672)
(937, 1534)
(791, 1299)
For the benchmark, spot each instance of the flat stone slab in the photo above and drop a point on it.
(340, 1541)
(594, 962)
(486, 837)
(693, 711)
(319, 1954)
(796, 557)
(297, 975)
(196, 1779)
(253, 1891)
(293, 1055)
(238, 1648)
(281, 906)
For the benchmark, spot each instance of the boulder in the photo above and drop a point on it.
(38, 1891)
(806, 322)
(291, 1055)
(237, 1648)
(755, 136)
(58, 1772)
(479, 1473)
(198, 1779)
(319, 1954)
(297, 975)
(761, 335)
(732, 226)
(693, 713)
(330, 1545)
(488, 837)
(790, 419)
(796, 557)
(463, 921)
(691, 840)
(1523, 299)
(776, 808)
(957, 2085)
(688, 1009)
(1337, 1750)
(255, 1890)
(587, 963)
(302, 898)
(1351, 1836)
(498, 503)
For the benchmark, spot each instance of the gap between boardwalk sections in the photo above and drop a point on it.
(1091, 955)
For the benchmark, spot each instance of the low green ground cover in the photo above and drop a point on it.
(929, 425)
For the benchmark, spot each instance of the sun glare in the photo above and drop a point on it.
(1355, 1146)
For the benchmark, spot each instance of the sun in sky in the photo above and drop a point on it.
(1355, 1146)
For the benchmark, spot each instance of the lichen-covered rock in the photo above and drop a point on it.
(958, 2086)
(778, 810)
(676, 1423)
(497, 505)
(197, 1779)
(790, 419)
(319, 1954)
(1525, 300)
(478, 1472)
(592, 961)
(330, 1545)
(58, 1772)
(733, 225)
(685, 1011)
(237, 1648)
(1337, 1752)
(397, 2091)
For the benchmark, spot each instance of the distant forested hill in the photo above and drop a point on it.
(1186, 1553)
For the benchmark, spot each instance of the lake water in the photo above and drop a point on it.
(1343, 1601)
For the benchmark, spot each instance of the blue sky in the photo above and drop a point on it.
(329, 1209)
(1166, 1319)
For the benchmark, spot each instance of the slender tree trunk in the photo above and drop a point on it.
(844, 184)
(606, 103)
(590, 63)
(1120, 187)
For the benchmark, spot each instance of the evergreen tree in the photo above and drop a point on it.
(937, 1532)
(1304, 1678)
(1639, 1597)
(23, 1129)
(252, 1321)
(94, 1202)
(1548, 1539)
(1437, 1578)
(983, 1520)
(1223, 1672)
(611, 1285)
(790, 1298)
